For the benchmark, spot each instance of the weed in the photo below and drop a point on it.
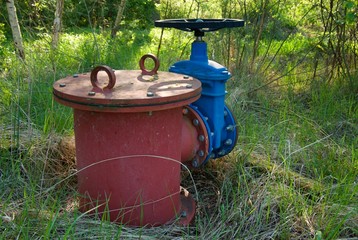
(293, 174)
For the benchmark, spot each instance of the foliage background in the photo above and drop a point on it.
(294, 91)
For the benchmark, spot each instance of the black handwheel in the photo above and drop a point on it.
(199, 26)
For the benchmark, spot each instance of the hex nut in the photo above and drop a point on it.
(222, 152)
(196, 122)
(228, 142)
(195, 163)
(230, 128)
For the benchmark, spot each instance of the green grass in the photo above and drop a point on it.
(293, 174)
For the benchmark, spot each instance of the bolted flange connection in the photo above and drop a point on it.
(195, 144)
(210, 108)
(201, 147)
(131, 113)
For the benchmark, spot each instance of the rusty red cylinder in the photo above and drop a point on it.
(135, 168)
(128, 137)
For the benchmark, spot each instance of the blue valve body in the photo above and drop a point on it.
(211, 104)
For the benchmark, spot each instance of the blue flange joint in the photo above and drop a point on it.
(211, 105)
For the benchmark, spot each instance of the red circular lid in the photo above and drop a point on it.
(126, 90)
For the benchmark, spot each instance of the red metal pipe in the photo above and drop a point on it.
(195, 140)
(130, 139)
(131, 173)
(189, 141)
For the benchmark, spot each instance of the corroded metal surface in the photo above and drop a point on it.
(128, 152)
(129, 165)
(132, 92)
(195, 145)
(142, 65)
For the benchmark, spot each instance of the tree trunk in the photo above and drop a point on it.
(57, 23)
(15, 28)
(118, 18)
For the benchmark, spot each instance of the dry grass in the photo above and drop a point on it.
(241, 196)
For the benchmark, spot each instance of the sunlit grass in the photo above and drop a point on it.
(293, 174)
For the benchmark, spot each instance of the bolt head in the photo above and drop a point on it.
(201, 138)
(201, 153)
(185, 111)
(221, 153)
(183, 214)
(225, 113)
(189, 86)
(62, 84)
(195, 163)
(230, 128)
(196, 122)
(75, 75)
(228, 142)
(186, 77)
(91, 93)
(150, 94)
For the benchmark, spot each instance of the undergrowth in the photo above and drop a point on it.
(292, 175)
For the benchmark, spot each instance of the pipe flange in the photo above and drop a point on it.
(230, 134)
(202, 127)
(187, 208)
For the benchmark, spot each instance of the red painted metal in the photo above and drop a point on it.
(195, 140)
(156, 64)
(187, 213)
(109, 72)
(133, 92)
(129, 144)
(189, 143)
(135, 164)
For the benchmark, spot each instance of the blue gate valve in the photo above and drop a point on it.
(217, 118)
